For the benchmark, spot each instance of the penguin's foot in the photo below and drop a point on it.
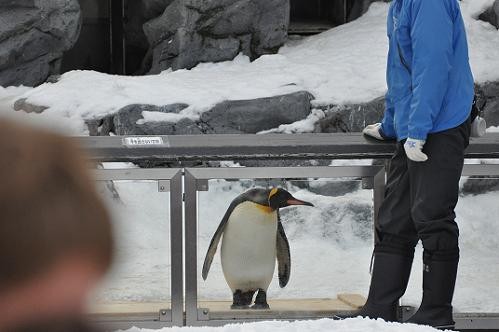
(261, 301)
(260, 306)
(241, 300)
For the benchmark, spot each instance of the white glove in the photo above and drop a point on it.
(414, 150)
(374, 131)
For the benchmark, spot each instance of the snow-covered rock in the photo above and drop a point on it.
(129, 121)
(33, 37)
(192, 31)
(351, 118)
(253, 116)
(228, 117)
(24, 106)
(491, 15)
(488, 101)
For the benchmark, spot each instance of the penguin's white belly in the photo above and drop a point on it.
(249, 248)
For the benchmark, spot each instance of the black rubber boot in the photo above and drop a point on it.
(439, 280)
(390, 275)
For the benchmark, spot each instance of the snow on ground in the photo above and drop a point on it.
(493, 130)
(323, 325)
(343, 65)
(63, 123)
(141, 271)
(331, 246)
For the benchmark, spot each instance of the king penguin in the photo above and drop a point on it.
(253, 238)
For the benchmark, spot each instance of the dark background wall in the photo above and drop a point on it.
(112, 39)
(92, 51)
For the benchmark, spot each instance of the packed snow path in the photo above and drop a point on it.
(324, 325)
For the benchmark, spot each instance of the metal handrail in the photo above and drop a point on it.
(169, 180)
(200, 148)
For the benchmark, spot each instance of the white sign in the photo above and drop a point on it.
(143, 141)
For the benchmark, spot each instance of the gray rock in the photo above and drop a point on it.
(33, 37)
(488, 101)
(101, 127)
(285, 163)
(496, 11)
(351, 118)
(252, 116)
(139, 12)
(359, 8)
(186, 50)
(482, 185)
(193, 31)
(335, 188)
(125, 121)
(23, 105)
(491, 15)
(242, 116)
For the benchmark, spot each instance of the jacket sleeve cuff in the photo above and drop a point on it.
(417, 134)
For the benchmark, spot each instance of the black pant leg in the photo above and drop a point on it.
(434, 190)
(395, 228)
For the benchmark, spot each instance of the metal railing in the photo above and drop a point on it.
(196, 180)
(200, 148)
(168, 180)
(179, 149)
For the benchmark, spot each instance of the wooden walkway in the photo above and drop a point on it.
(286, 308)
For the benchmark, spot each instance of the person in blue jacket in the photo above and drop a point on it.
(428, 105)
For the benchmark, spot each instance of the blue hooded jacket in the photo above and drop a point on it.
(430, 84)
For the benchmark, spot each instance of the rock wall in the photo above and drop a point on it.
(33, 36)
(491, 15)
(359, 7)
(138, 12)
(194, 31)
(159, 34)
(228, 117)
(351, 118)
(488, 102)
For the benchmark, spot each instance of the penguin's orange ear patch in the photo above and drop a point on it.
(273, 192)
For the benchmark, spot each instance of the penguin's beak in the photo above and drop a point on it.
(295, 201)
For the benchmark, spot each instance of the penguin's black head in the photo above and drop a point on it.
(279, 198)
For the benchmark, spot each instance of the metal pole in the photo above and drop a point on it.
(191, 287)
(176, 244)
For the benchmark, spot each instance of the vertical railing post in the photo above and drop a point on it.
(191, 286)
(176, 244)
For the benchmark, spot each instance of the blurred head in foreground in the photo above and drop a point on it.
(55, 233)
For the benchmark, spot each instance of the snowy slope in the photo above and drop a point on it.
(343, 65)
(324, 325)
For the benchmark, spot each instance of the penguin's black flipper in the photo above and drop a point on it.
(212, 249)
(283, 255)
